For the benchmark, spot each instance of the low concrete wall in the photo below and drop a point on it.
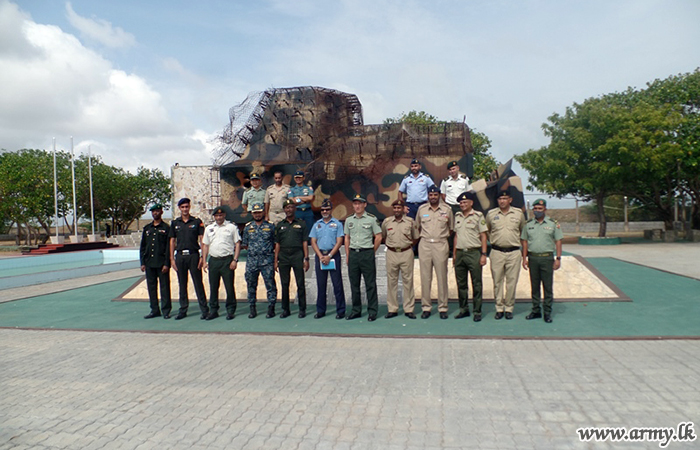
(592, 227)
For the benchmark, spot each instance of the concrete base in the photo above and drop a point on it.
(76, 239)
(58, 240)
(94, 238)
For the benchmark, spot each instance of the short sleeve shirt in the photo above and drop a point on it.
(399, 233)
(275, 196)
(186, 234)
(435, 224)
(221, 239)
(252, 196)
(327, 234)
(469, 228)
(300, 191)
(290, 234)
(541, 237)
(505, 229)
(416, 188)
(362, 230)
(452, 188)
(260, 239)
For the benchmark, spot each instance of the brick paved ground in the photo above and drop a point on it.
(106, 390)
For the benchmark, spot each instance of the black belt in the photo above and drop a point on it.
(504, 249)
(541, 255)
(187, 252)
(325, 252)
(398, 250)
(361, 249)
(221, 257)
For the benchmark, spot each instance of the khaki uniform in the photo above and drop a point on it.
(398, 237)
(504, 234)
(275, 197)
(435, 226)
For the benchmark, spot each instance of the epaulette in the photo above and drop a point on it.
(248, 223)
(462, 175)
(370, 215)
(447, 178)
(407, 175)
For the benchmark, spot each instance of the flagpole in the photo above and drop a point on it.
(92, 207)
(55, 188)
(75, 209)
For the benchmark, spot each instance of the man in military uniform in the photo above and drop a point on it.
(155, 261)
(186, 236)
(222, 245)
(505, 225)
(259, 238)
(469, 254)
(275, 195)
(435, 222)
(327, 237)
(302, 195)
(256, 194)
(363, 236)
(291, 252)
(400, 234)
(452, 186)
(541, 240)
(414, 188)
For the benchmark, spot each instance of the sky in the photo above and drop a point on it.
(150, 83)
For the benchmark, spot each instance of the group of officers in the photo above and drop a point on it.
(437, 222)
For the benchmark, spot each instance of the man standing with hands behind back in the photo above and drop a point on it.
(541, 239)
(155, 261)
(222, 244)
(186, 236)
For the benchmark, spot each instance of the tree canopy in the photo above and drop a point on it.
(27, 196)
(484, 161)
(642, 143)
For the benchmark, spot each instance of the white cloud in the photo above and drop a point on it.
(100, 30)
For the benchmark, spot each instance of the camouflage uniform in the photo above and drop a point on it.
(260, 240)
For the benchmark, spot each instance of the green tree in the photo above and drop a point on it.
(484, 161)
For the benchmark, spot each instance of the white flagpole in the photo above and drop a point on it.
(75, 209)
(92, 207)
(55, 188)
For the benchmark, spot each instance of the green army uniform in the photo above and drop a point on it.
(291, 238)
(361, 262)
(467, 256)
(253, 196)
(541, 240)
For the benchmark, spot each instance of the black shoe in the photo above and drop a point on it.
(180, 316)
(353, 316)
(390, 315)
(533, 315)
(340, 316)
(371, 318)
(212, 315)
(230, 316)
(425, 315)
(509, 315)
(498, 316)
(462, 315)
(443, 315)
(410, 315)
(548, 318)
(253, 312)
(302, 314)
(166, 316)
(285, 313)
(477, 317)
(270, 312)
(319, 315)
(151, 315)
(204, 316)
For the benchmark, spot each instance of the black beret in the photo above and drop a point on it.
(183, 201)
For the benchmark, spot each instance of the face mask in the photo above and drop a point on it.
(538, 214)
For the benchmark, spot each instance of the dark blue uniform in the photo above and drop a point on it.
(186, 236)
(260, 240)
